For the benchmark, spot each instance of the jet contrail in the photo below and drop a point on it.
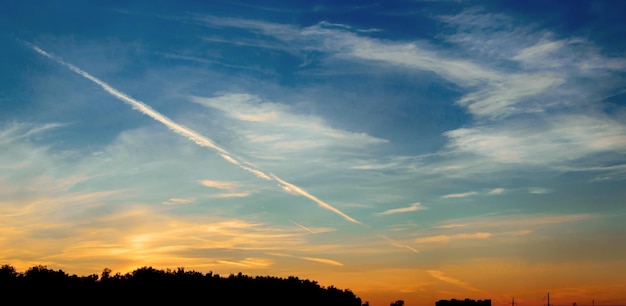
(303, 227)
(190, 134)
(398, 245)
(291, 188)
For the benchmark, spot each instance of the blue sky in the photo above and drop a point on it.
(415, 150)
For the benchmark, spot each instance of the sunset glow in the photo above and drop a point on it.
(405, 150)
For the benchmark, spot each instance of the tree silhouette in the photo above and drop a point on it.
(147, 285)
(397, 303)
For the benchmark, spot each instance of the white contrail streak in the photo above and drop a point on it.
(297, 190)
(143, 108)
(190, 134)
(397, 244)
(303, 227)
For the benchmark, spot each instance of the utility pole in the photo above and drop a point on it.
(548, 298)
(513, 302)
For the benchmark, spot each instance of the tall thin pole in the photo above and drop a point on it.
(548, 298)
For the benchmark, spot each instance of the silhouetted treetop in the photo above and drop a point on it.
(149, 285)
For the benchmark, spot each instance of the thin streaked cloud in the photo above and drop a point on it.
(313, 259)
(460, 195)
(539, 190)
(179, 201)
(413, 207)
(248, 263)
(16, 131)
(303, 227)
(447, 238)
(496, 191)
(323, 260)
(444, 278)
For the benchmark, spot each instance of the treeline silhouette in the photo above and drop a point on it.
(147, 285)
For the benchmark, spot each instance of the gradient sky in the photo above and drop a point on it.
(415, 150)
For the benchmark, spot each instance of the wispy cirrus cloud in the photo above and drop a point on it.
(534, 73)
(16, 131)
(323, 260)
(564, 139)
(248, 263)
(219, 184)
(496, 191)
(551, 87)
(179, 201)
(493, 92)
(338, 41)
(399, 244)
(447, 238)
(460, 195)
(413, 207)
(539, 51)
(304, 227)
(539, 190)
(308, 258)
(511, 223)
(277, 128)
(229, 187)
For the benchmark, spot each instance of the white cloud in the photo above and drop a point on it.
(323, 260)
(550, 88)
(230, 195)
(539, 51)
(502, 97)
(539, 190)
(179, 201)
(413, 207)
(496, 191)
(337, 40)
(16, 131)
(220, 184)
(562, 139)
(509, 70)
(278, 128)
(230, 187)
(459, 195)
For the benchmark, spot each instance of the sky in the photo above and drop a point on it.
(414, 150)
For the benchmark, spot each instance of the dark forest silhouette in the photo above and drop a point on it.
(147, 285)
